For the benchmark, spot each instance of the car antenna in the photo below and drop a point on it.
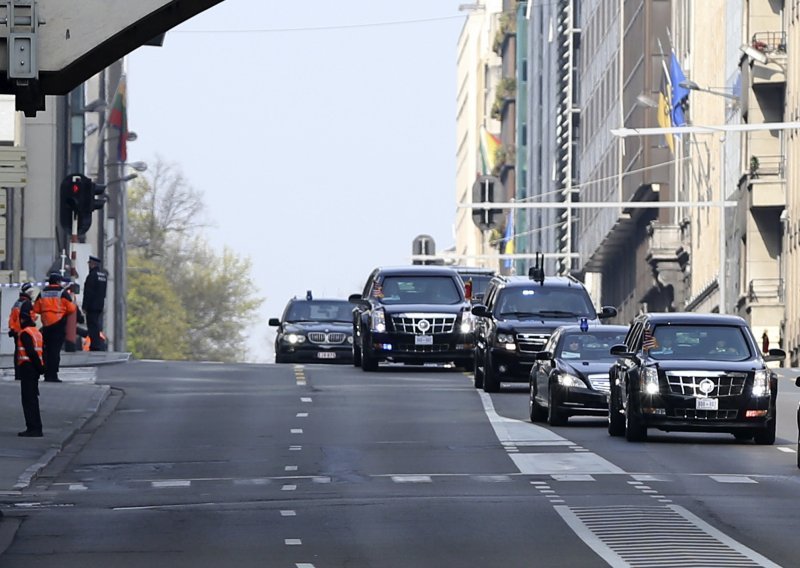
(308, 295)
(536, 272)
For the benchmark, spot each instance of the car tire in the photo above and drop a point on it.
(765, 436)
(369, 362)
(356, 356)
(635, 431)
(537, 413)
(477, 373)
(555, 416)
(491, 383)
(616, 421)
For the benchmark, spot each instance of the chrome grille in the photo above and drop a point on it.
(600, 383)
(319, 337)
(687, 383)
(692, 414)
(531, 342)
(424, 324)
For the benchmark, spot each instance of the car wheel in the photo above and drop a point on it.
(765, 436)
(356, 356)
(616, 421)
(368, 361)
(635, 431)
(537, 413)
(491, 383)
(555, 416)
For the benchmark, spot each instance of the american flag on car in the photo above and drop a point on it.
(649, 342)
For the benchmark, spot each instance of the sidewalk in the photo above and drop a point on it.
(65, 408)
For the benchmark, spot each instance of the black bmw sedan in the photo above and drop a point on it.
(314, 331)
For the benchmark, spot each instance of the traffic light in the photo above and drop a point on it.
(487, 189)
(72, 199)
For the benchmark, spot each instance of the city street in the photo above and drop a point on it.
(195, 465)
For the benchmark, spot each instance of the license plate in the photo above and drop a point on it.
(326, 355)
(707, 404)
(423, 340)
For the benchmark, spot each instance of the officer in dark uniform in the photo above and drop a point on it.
(29, 365)
(94, 298)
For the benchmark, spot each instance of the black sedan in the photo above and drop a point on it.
(314, 331)
(570, 376)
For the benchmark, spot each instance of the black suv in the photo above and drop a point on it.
(314, 330)
(688, 371)
(413, 314)
(518, 317)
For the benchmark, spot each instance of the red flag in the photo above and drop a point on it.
(118, 118)
(649, 342)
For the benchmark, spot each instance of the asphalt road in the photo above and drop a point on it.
(327, 466)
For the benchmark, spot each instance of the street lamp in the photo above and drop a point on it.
(691, 85)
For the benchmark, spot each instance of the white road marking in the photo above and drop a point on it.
(732, 479)
(321, 479)
(301, 415)
(649, 477)
(172, 483)
(304, 565)
(412, 479)
(296, 430)
(288, 513)
(787, 450)
(290, 468)
(292, 541)
(492, 478)
(256, 481)
(295, 448)
(305, 399)
(575, 477)
(288, 487)
(77, 487)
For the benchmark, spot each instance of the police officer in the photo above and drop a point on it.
(94, 297)
(52, 306)
(23, 303)
(28, 364)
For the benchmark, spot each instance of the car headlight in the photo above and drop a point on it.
(567, 380)
(294, 338)
(650, 380)
(350, 339)
(379, 321)
(761, 383)
(505, 340)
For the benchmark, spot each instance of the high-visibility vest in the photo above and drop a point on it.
(52, 305)
(13, 318)
(22, 353)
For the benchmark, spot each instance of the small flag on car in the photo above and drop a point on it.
(649, 342)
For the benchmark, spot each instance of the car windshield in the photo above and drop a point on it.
(418, 290)
(479, 282)
(544, 302)
(320, 310)
(591, 346)
(697, 342)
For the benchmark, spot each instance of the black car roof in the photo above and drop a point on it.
(602, 327)
(549, 281)
(345, 301)
(474, 270)
(692, 318)
(416, 269)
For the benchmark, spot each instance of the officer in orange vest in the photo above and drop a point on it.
(53, 306)
(28, 363)
(23, 303)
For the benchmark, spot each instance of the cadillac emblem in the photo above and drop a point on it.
(423, 326)
(706, 386)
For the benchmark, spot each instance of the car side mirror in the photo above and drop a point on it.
(543, 356)
(480, 310)
(274, 322)
(797, 381)
(359, 301)
(607, 312)
(621, 351)
(775, 355)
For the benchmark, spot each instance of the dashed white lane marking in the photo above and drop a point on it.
(732, 479)
(649, 477)
(290, 468)
(172, 483)
(301, 415)
(255, 481)
(77, 487)
(787, 450)
(288, 513)
(573, 477)
(492, 478)
(517, 432)
(292, 541)
(305, 399)
(296, 430)
(288, 487)
(304, 565)
(295, 448)
(412, 479)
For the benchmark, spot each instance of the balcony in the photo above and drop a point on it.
(765, 291)
(770, 67)
(766, 184)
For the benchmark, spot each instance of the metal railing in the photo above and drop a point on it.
(773, 43)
